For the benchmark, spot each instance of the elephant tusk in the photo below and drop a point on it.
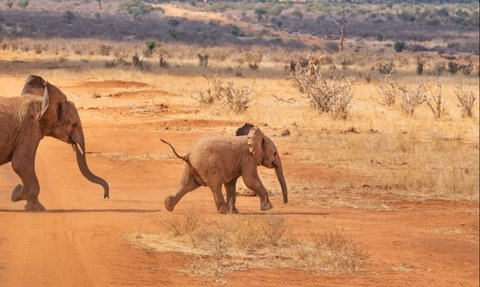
(79, 148)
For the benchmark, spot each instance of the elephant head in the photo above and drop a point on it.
(60, 119)
(265, 153)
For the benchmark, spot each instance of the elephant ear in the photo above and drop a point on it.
(34, 85)
(255, 142)
(53, 98)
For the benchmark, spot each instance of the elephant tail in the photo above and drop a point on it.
(185, 158)
(198, 178)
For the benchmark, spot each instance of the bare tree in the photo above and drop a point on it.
(343, 20)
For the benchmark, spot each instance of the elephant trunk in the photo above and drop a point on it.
(79, 147)
(281, 180)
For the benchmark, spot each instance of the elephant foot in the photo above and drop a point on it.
(266, 206)
(233, 210)
(169, 203)
(34, 205)
(223, 210)
(17, 193)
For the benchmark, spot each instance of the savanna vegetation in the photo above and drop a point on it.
(374, 105)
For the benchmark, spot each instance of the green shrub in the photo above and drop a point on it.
(23, 3)
(399, 46)
(150, 44)
(260, 12)
(173, 22)
(136, 8)
(68, 17)
(453, 67)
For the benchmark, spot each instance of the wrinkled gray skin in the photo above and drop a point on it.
(220, 160)
(41, 110)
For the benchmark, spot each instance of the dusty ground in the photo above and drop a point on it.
(81, 239)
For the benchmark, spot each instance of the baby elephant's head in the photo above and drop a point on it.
(265, 153)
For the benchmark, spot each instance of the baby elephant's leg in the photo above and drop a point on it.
(188, 184)
(219, 200)
(231, 196)
(253, 182)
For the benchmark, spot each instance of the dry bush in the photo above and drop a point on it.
(203, 60)
(467, 69)
(466, 99)
(253, 59)
(301, 80)
(118, 61)
(220, 244)
(254, 233)
(339, 252)
(105, 50)
(162, 63)
(237, 98)
(213, 92)
(435, 102)
(388, 90)
(329, 95)
(410, 99)
(186, 225)
(438, 68)
(420, 66)
(386, 68)
(453, 67)
(274, 230)
(139, 63)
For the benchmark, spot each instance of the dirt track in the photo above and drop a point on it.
(80, 239)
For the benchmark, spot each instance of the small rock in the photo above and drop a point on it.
(351, 130)
(285, 133)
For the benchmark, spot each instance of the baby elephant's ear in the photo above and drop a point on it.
(34, 85)
(255, 141)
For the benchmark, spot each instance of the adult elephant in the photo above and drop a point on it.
(220, 160)
(41, 110)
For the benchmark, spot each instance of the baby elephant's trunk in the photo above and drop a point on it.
(281, 179)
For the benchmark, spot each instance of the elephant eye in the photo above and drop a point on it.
(275, 154)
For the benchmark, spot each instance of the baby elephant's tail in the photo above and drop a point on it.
(175, 152)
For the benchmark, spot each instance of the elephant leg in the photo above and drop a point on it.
(220, 203)
(188, 184)
(24, 167)
(253, 182)
(231, 196)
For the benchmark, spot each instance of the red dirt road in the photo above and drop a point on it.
(80, 239)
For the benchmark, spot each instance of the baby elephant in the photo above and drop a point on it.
(219, 160)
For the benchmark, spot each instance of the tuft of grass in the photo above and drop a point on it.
(187, 225)
(245, 242)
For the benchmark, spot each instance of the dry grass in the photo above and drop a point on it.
(245, 242)
(413, 157)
